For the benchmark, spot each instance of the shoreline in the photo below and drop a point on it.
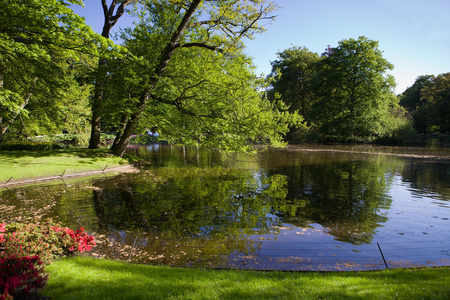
(321, 148)
(119, 170)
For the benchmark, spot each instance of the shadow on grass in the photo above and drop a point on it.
(82, 278)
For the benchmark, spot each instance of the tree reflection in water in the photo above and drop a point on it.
(197, 208)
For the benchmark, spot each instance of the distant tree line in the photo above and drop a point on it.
(345, 94)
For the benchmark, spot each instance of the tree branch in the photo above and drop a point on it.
(201, 45)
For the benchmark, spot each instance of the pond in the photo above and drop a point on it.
(300, 208)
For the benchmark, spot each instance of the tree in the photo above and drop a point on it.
(354, 94)
(427, 100)
(41, 43)
(111, 16)
(191, 32)
(291, 75)
(411, 101)
(435, 108)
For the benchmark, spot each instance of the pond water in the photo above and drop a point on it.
(300, 208)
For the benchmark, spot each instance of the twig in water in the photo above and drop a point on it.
(382, 255)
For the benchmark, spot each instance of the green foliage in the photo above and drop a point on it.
(44, 50)
(70, 139)
(400, 130)
(47, 239)
(345, 95)
(208, 94)
(217, 104)
(291, 78)
(354, 96)
(435, 108)
(25, 247)
(191, 81)
(31, 146)
(428, 102)
(410, 99)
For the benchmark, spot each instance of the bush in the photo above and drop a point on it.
(31, 146)
(21, 276)
(24, 248)
(404, 134)
(48, 240)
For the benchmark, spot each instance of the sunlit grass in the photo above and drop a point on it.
(33, 164)
(88, 278)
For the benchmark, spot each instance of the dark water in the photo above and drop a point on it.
(292, 209)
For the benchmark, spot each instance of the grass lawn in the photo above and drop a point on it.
(22, 165)
(88, 278)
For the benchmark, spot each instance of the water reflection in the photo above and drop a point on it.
(431, 179)
(281, 209)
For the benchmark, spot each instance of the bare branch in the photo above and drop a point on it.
(110, 18)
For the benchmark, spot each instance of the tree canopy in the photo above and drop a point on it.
(354, 96)
(41, 45)
(184, 73)
(291, 78)
(428, 102)
(187, 75)
(346, 94)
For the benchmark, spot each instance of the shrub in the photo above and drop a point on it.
(21, 276)
(24, 248)
(31, 146)
(48, 240)
(403, 134)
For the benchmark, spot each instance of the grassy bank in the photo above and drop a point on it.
(88, 278)
(34, 164)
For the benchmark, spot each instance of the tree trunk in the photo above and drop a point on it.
(4, 124)
(97, 105)
(143, 99)
(123, 122)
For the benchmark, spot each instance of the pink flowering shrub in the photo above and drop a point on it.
(2, 230)
(25, 248)
(48, 240)
(20, 276)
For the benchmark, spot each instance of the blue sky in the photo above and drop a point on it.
(413, 34)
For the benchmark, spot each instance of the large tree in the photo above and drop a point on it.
(291, 78)
(410, 99)
(435, 108)
(186, 34)
(427, 100)
(111, 14)
(41, 44)
(354, 93)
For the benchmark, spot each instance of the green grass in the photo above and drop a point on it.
(34, 164)
(88, 278)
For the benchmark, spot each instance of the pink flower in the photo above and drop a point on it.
(2, 229)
